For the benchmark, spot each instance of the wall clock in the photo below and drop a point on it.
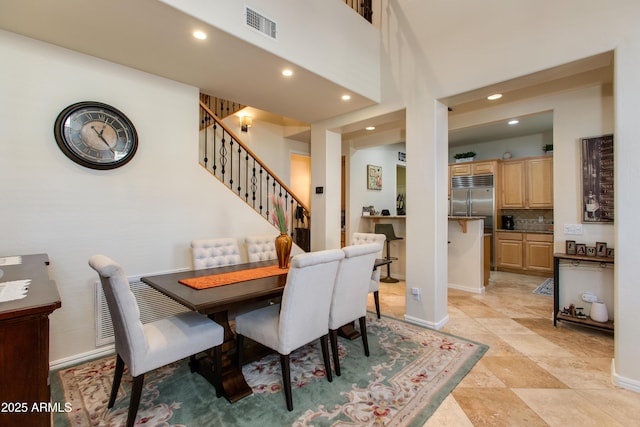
(96, 135)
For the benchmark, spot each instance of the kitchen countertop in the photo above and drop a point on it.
(469, 218)
(525, 231)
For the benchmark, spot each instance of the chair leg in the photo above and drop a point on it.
(333, 334)
(136, 392)
(116, 381)
(324, 343)
(286, 380)
(193, 363)
(239, 349)
(363, 332)
(217, 373)
(376, 299)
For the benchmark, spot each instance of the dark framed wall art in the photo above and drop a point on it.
(597, 179)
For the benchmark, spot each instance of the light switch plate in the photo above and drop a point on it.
(573, 229)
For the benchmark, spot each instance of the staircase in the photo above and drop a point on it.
(227, 158)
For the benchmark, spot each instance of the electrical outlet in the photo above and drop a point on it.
(416, 293)
(540, 219)
(573, 229)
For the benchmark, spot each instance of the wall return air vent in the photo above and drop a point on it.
(260, 23)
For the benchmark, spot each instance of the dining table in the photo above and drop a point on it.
(220, 293)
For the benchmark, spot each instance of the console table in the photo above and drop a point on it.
(557, 315)
(24, 344)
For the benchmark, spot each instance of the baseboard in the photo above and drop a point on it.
(466, 288)
(425, 324)
(82, 357)
(626, 383)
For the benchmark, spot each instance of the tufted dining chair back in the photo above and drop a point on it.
(349, 299)
(261, 248)
(374, 284)
(210, 253)
(300, 318)
(145, 347)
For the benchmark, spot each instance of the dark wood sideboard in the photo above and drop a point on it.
(25, 393)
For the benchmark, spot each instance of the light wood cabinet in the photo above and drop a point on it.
(483, 168)
(538, 250)
(540, 182)
(460, 169)
(525, 252)
(512, 180)
(527, 183)
(509, 250)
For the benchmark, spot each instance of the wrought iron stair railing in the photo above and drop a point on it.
(225, 156)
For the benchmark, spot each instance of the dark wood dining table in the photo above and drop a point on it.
(218, 303)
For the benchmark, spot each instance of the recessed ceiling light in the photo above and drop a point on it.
(513, 122)
(494, 96)
(346, 97)
(370, 128)
(199, 35)
(287, 72)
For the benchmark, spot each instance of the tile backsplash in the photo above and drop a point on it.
(528, 219)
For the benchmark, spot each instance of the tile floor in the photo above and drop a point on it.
(533, 374)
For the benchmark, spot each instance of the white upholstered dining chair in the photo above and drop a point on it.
(145, 347)
(209, 253)
(300, 318)
(261, 248)
(349, 300)
(374, 284)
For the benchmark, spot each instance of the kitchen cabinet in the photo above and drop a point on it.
(460, 169)
(483, 168)
(527, 183)
(538, 250)
(509, 250)
(540, 182)
(524, 252)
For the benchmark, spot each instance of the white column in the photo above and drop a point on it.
(426, 240)
(325, 173)
(626, 369)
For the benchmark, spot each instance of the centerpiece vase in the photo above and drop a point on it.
(283, 249)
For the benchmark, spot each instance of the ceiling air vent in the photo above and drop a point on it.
(261, 23)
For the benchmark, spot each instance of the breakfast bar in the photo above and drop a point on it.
(466, 253)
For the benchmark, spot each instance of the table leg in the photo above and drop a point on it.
(234, 386)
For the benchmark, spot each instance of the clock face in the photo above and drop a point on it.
(96, 135)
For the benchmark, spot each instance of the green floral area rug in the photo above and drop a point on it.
(408, 374)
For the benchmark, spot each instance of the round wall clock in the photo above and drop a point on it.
(96, 135)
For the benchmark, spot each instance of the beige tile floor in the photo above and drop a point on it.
(533, 374)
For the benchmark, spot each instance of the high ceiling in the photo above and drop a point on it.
(156, 38)
(150, 36)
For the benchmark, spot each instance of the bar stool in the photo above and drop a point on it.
(388, 231)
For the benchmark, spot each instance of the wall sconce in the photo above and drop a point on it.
(245, 123)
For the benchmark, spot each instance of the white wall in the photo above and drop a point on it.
(523, 146)
(143, 214)
(310, 34)
(424, 61)
(267, 141)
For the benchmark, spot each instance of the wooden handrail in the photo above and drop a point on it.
(252, 154)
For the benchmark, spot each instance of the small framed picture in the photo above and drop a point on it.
(571, 247)
(581, 249)
(591, 251)
(609, 252)
(601, 249)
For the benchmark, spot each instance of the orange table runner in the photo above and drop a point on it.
(222, 279)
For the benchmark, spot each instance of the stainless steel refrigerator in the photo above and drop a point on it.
(474, 196)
